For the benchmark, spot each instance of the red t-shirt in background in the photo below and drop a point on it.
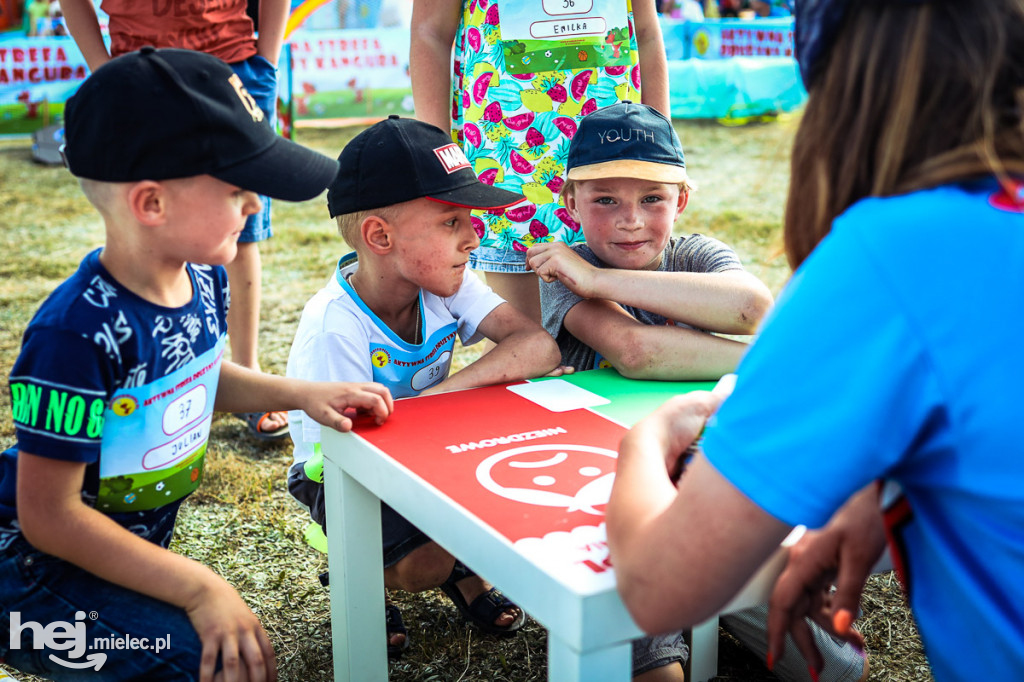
(217, 27)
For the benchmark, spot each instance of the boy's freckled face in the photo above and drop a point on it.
(433, 243)
(208, 215)
(627, 222)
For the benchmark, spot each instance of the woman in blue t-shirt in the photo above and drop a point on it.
(882, 397)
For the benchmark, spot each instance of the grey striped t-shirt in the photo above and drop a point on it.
(695, 253)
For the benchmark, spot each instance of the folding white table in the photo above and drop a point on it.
(512, 480)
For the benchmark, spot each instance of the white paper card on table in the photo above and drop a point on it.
(558, 395)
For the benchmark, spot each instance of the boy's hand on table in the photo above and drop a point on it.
(326, 402)
(556, 261)
(561, 370)
(228, 628)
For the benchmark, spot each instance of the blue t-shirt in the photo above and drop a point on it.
(123, 385)
(893, 355)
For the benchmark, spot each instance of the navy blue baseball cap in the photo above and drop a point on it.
(817, 23)
(626, 140)
(161, 114)
(401, 159)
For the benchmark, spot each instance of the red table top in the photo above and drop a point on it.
(539, 477)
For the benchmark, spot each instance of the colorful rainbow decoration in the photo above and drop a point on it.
(300, 13)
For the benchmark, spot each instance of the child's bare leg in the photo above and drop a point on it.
(673, 672)
(424, 568)
(245, 274)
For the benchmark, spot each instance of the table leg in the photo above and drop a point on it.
(357, 579)
(568, 665)
(704, 651)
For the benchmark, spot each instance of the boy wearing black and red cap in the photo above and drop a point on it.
(390, 313)
(119, 374)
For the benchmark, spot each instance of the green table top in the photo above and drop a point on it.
(631, 399)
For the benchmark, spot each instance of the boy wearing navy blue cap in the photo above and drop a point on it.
(119, 374)
(650, 305)
(390, 313)
(634, 297)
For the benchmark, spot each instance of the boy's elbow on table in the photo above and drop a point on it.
(636, 366)
(752, 310)
(633, 358)
(548, 353)
(530, 353)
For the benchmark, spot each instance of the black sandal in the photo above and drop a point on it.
(394, 625)
(486, 608)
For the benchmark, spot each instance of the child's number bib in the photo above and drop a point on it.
(557, 35)
(412, 369)
(154, 437)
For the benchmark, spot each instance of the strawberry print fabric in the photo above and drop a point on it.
(515, 128)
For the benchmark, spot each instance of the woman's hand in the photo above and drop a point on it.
(841, 554)
(673, 427)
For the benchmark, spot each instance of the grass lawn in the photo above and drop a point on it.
(242, 522)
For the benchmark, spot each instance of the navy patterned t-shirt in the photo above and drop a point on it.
(126, 386)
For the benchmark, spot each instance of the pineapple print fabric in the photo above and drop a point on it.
(515, 125)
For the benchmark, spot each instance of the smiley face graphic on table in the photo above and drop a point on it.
(576, 477)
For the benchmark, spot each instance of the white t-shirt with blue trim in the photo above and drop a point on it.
(340, 339)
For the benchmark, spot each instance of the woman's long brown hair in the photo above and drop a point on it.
(914, 95)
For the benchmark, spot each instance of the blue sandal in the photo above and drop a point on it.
(486, 608)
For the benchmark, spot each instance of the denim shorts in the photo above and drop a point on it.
(259, 77)
(490, 259)
(657, 651)
(398, 535)
(37, 590)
